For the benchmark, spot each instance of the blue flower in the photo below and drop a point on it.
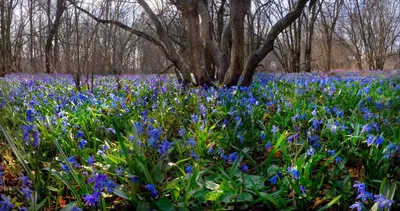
(268, 145)
(27, 192)
(360, 187)
(76, 209)
(294, 172)
(379, 141)
(303, 190)
(194, 118)
(80, 134)
(274, 129)
(91, 160)
(233, 156)
(358, 205)
(274, 179)
(240, 137)
(262, 135)
(310, 152)
(151, 188)
(29, 115)
(189, 170)
(211, 150)
(6, 204)
(364, 196)
(65, 167)
(119, 171)
(164, 147)
(25, 180)
(82, 144)
(181, 131)
(36, 139)
(244, 168)
(135, 179)
(111, 130)
(383, 203)
(92, 199)
(370, 140)
(194, 156)
(191, 142)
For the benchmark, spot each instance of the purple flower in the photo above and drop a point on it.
(82, 144)
(194, 156)
(358, 205)
(232, 157)
(164, 147)
(194, 118)
(80, 134)
(189, 170)
(27, 192)
(268, 146)
(274, 129)
(379, 141)
(29, 115)
(364, 196)
(153, 191)
(240, 137)
(6, 203)
(244, 168)
(135, 179)
(76, 209)
(191, 142)
(383, 203)
(25, 180)
(310, 152)
(91, 160)
(370, 140)
(303, 190)
(92, 199)
(262, 135)
(119, 171)
(36, 139)
(181, 131)
(273, 180)
(294, 172)
(360, 187)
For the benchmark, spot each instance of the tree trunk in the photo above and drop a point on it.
(268, 46)
(53, 31)
(238, 13)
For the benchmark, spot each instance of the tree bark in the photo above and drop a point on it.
(239, 9)
(268, 46)
(52, 33)
(196, 58)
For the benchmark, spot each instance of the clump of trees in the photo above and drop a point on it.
(201, 40)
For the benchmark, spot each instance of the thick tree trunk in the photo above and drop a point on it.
(309, 39)
(53, 31)
(226, 45)
(268, 46)
(238, 13)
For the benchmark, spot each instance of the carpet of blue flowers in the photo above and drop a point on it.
(288, 142)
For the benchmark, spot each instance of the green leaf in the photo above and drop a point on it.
(164, 204)
(214, 195)
(390, 195)
(212, 185)
(225, 186)
(330, 204)
(51, 188)
(69, 206)
(121, 194)
(384, 188)
(243, 197)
